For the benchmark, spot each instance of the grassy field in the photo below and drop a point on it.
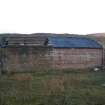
(53, 88)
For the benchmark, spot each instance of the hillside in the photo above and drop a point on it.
(97, 34)
(98, 37)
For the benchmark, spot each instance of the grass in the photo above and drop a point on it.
(53, 88)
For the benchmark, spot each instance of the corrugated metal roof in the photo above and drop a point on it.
(35, 41)
(72, 42)
(22, 41)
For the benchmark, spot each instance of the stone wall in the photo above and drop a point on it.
(30, 58)
(23, 59)
(76, 58)
(101, 40)
(104, 57)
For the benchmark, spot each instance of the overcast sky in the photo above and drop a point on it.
(52, 16)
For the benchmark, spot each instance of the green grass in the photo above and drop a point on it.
(53, 88)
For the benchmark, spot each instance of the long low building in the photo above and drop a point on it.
(30, 53)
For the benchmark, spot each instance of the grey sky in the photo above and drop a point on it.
(55, 16)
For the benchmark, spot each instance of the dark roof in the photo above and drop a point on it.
(23, 40)
(72, 42)
(36, 40)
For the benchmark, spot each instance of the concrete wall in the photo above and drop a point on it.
(76, 58)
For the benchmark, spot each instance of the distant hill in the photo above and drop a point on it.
(37, 34)
(99, 37)
(97, 34)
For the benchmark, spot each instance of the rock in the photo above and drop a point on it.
(96, 69)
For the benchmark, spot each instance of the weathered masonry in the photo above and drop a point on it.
(30, 53)
(75, 52)
(24, 54)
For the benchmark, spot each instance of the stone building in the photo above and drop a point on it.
(24, 53)
(30, 53)
(75, 52)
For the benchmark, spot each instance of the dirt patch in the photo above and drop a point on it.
(22, 77)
